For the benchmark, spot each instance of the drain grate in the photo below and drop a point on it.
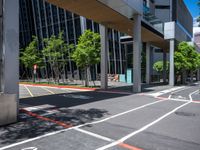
(185, 114)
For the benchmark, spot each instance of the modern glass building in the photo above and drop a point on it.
(38, 17)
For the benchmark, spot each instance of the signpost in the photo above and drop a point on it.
(34, 72)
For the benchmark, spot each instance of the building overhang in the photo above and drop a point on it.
(112, 15)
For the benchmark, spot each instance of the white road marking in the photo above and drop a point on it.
(177, 91)
(47, 90)
(95, 135)
(64, 130)
(165, 91)
(120, 114)
(190, 96)
(39, 107)
(28, 91)
(142, 129)
(65, 88)
(30, 148)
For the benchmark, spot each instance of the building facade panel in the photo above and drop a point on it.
(37, 17)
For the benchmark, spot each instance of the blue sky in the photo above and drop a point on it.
(191, 4)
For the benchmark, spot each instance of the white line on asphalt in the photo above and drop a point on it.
(120, 114)
(142, 129)
(47, 90)
(190, 96)
(94, 135)
(177, 91)
(73, 89)
(28, 91)
(64, 130)
(165, 91)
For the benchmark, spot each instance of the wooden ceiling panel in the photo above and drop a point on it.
(102, 14)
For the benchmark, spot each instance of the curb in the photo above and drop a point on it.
(60, 86)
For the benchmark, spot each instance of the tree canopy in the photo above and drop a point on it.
(186, 57)
(87, 51)
(159, 66)
(55, 50)
(31, 55)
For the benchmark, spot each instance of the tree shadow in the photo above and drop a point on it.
(30, 127)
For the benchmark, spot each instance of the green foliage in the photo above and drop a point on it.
(159, 66)
(87, 51)
(186, 57)
(55, 50)
(31, 55)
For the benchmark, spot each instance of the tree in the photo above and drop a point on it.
(31, 56)
(186, 58)
(159, 66)
(55, 50)
(87, 52)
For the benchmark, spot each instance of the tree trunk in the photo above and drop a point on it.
(87, 70)
(184, 76)
(191, 76)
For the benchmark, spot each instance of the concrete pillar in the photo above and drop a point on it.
(104, 57)
(148, 63)
(9, 47)
(164, 66)
(171, 69)
(137, 47)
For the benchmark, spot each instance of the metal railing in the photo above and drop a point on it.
(152, 20)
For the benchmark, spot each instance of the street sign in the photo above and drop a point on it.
(35, 67)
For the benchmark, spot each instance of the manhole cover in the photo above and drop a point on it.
(186, 114)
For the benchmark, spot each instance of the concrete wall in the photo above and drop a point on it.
(8, 109)
(135, 4)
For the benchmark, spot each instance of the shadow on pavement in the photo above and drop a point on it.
(30, 127)
(69, 99)
(145, 87)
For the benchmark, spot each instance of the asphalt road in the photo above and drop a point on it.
(64, 119)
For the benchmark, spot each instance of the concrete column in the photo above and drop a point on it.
(9, 47)
(137, 47)
(148, 63)
(104, 57)
(1, 46)
(164, 66)
(171, 69)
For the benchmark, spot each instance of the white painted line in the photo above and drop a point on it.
(177, 91)
(30, 148)
(28, 91)
(165, 91)
(39, 107)
(190, 96)
(142, 129)
(120, 114)
(95, 135)
(179, 100)
(64, 130)
(67, 88)
(47, 90)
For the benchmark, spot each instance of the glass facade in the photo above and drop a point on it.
(37, 17)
